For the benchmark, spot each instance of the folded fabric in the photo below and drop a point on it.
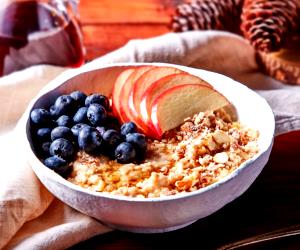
(30, 217)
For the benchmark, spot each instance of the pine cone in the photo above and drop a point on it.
(208, 14)
(283, 65)
(266, 23)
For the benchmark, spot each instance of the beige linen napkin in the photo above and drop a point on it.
(30, 217)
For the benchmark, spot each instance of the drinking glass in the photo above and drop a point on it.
(39, 32)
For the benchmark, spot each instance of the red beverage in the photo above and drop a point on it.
(34, 32)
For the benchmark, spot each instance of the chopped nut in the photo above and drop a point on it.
(221, 157)
(202, 150)
(93, 179)
(211, 144)
(100, 186)
(221, 137)
(199, 118)
(187, 127)
(184, 184)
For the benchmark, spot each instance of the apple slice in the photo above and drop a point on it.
(125, 113)
(180, 102)
(143, 82)
(122, 78)
(158, 87)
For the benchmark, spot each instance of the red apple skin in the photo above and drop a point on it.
(120, 81)
(158, 87)
(143, 82)
(125, 112)
(159, 111)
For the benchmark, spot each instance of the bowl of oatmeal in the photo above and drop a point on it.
(191, 172)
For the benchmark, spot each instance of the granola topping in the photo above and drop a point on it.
(203, 150)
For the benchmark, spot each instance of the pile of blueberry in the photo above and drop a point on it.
(79, 122)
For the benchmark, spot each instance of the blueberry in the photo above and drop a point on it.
(97, 98)
(112, 137)
(64, 105)
(101, 130)
(40, 116)
(137, 140)
(127, 128)
(52, 111)
(43, 134)
(57, 164)
(81, 115)
(125, 153)
(77, 127)
(89, 140)
(79, 97)
(62, 148)
(62, 132)
(96, 114)
(65, 121)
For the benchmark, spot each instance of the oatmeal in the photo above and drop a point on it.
(203, 150)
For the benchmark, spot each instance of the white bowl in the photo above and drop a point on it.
(165, 213)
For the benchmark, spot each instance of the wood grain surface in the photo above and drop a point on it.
(273, 201)
(109, 24)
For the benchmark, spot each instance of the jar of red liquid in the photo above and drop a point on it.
(39, 32)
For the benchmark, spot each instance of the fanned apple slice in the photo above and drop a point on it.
(158, 87)
(143, 82)
(178, 103)
(125, 113)
(122, 78)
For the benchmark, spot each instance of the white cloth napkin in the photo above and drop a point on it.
(30, 217)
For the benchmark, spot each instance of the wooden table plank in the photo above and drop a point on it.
(100, 39)
(111, 11)
(109, 24)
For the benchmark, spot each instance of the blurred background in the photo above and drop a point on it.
(109, 24)
(71, 32)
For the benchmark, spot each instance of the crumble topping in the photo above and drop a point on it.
(203, 150)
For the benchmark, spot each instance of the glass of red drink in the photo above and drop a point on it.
(39, 32)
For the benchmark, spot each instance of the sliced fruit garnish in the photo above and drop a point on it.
(125, 113)
(158, 87)
(143, 82)
(116, 93)
(175, 104)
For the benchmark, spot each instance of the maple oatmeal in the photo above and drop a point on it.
(203, 150)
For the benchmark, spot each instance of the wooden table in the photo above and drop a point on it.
(272, 202)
